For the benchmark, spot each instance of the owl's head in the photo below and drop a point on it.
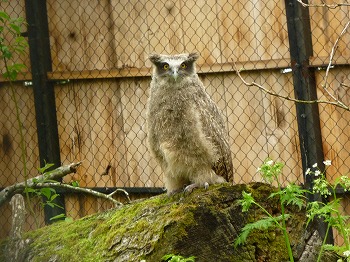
(174, 67)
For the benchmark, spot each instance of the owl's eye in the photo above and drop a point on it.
(165, 66)
(183, 66)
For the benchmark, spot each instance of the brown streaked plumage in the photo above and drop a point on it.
(186, 131)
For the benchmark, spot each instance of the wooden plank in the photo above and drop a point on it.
(141, 168)
(201, 68)
(146, 71)
(271, 30)
(79, 35)
(165, 32)
(67, 44)
(334, 122)
(90, 127)
(199, 24)
(281, 126)
(261, 126)
(245, 127)
(11, 162)
(237, 30)
(129, 28)
(323, 61)
(326, 25)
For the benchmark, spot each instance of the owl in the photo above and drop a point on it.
(186, 131)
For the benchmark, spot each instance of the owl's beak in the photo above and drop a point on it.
(175, 74)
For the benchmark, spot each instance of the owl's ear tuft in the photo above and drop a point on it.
(154, 58)
(193, 56)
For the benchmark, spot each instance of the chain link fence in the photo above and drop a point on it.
(100, 75)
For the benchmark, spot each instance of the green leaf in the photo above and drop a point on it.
(53, 197)
(58, 217)
(4, 16)
(262, 224)
(30, 190)
(247, 201)
(75, 184)
(69, 219)
(46, 192)
(291, 194)
(177, 258)
(16, 28)
(45, 168)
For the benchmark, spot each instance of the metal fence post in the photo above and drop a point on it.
(300, 42)
(44, 96)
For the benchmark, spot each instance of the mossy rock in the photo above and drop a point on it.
(203, 224)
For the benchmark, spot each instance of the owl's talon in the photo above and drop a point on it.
(188, 189)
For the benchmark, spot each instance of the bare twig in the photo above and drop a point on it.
(336, 102)
(334, 48)
(120, 190)
(80, 189)
(344, 85)
(323, 4)
(270, 92)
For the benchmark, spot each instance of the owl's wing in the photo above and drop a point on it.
(215, 129)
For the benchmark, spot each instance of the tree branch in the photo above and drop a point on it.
(334, 48)
(55, 174)
(48, 180)
(83, 190)
(336, 102)
(270, 92)
(323, 4)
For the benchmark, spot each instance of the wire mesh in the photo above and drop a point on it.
(100, 67)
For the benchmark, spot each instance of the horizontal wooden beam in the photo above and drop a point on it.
(324, 61)
(202, 69)
(145, 71)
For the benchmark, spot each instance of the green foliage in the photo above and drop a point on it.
(294, 195)
(11, 43)
(290, 195)
(330, 211)
(48, 194)
(262, 224)
(177, 258)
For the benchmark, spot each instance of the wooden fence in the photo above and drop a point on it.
(89, 58)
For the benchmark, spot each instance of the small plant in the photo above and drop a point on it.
(294, 195)
(330, 211)
(177, 258)
(48, 193)
(290, 195)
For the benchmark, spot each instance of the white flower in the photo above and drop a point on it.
(314, 165)
(346, 253)
(308, 171)
(317, 172)
(269, 163)
(327, 162)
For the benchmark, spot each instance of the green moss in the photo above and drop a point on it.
(105, 236)
(152, 228)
